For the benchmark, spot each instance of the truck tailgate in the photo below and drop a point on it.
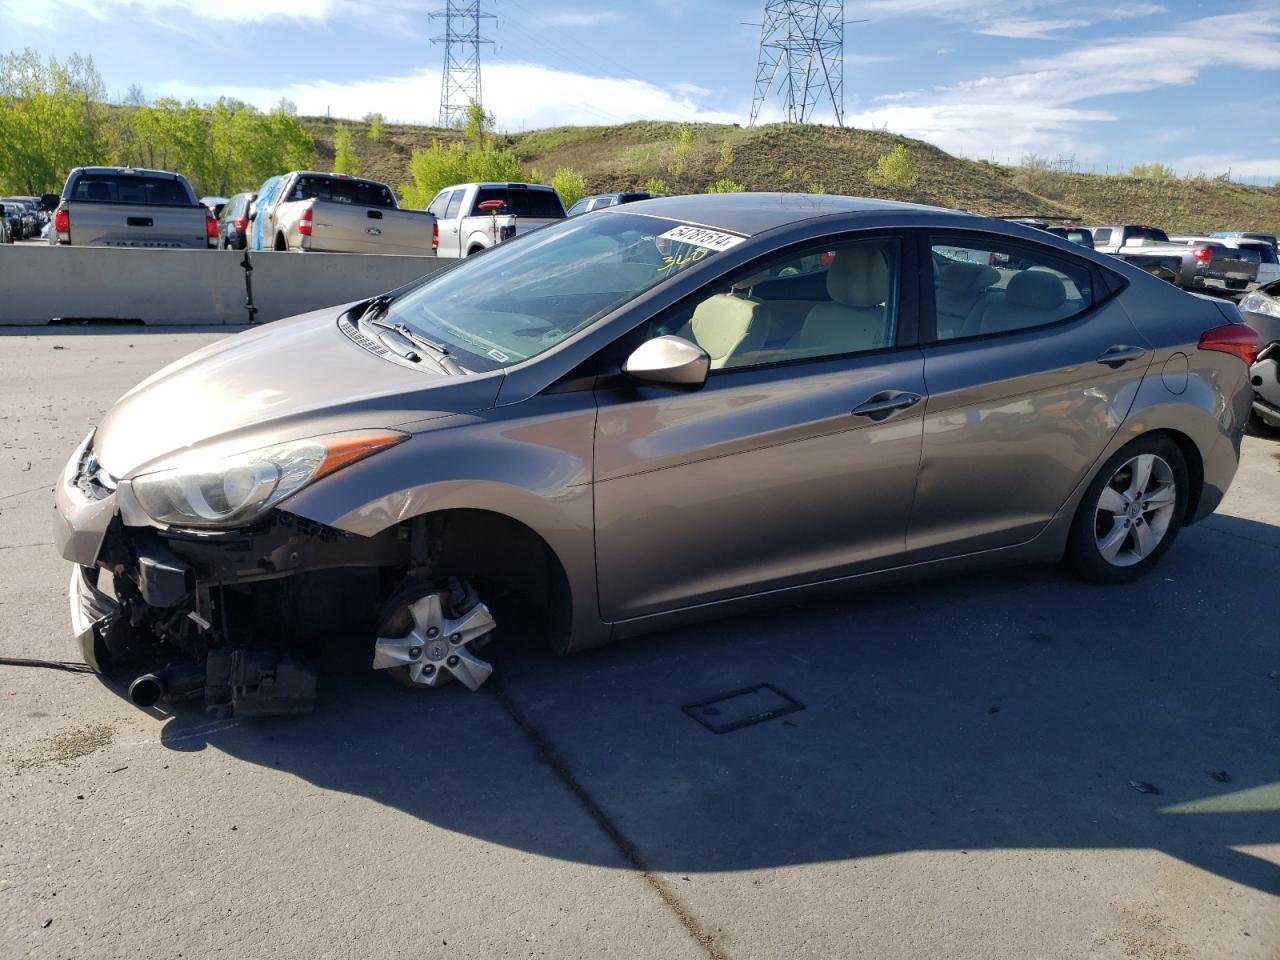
(1231, 270)
(137, 225)
(340, 227)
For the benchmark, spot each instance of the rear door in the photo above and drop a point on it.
(794, 463)
(1026, 390)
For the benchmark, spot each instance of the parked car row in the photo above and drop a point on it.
(24, 217)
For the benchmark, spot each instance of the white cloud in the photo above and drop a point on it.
(1042, 104)
(521, 95)
(1238, 166)
(1027, 28)
(388, 15)
(580, 18)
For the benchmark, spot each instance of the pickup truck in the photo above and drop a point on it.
(335, 213)
(475, 216)
(128, 207)
(1211, 265)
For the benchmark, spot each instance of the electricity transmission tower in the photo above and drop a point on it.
(801, 57)
(460, 81)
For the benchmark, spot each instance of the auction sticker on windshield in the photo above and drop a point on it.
(701, 237)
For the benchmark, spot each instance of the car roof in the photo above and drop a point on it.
(752, 213)
(142, 171)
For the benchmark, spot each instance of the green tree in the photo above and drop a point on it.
(440, 166)
(344, 151)
(375, 126)
(726, 158)
(570, 184)
(1152, 171)
(725, 185)
(52, 118)
(895, 170)
(480, 124)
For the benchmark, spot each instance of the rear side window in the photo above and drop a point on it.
(1145, 235)
(455, 204)
(1102, 235)
(987, 286)
(359, 193)
(538, 204)
(130, 188)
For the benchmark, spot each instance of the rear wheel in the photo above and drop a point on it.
(1131, 513)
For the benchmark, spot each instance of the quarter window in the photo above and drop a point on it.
(985, 287)
(1102, 235)
(821, 302)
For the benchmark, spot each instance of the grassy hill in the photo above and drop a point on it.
(831, 160)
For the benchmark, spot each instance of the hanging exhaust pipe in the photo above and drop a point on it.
(172, 683)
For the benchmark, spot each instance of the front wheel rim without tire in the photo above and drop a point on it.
(1135, 510)
(438, 647)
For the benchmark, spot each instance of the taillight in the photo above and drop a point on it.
(304, 222)
(210, 226)
(62, 224)
(242, 224)
(1238, 339)
(435, 236)
(1202, 254)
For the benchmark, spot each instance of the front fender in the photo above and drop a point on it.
(531, 462)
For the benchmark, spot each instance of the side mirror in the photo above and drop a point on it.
(668, 360)
(49, 202)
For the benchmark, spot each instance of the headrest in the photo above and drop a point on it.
(859, 277)
(1036, 289)
(967, 278)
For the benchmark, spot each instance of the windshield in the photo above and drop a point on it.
(527, 295)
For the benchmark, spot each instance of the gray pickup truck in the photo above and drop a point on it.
(336, 213)
(128, 207)
(1211, 265)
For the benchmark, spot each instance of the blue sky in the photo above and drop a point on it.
(1188, 83)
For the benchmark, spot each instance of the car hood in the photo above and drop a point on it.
(293, 379)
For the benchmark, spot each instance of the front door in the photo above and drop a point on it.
(794, 463)
(1031, 372)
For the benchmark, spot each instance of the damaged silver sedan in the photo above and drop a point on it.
(660, 412)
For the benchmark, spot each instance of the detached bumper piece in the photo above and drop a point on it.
(257, 683)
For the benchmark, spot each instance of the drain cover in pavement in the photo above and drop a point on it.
(741, 708)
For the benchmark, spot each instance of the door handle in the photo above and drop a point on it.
(885, 403)
(1117, 356)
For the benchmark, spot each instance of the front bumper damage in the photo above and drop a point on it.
(235, 617)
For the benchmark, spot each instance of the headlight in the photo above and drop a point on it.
(213, 490)
(1257, 303)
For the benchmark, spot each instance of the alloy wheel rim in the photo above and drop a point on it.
(1135, 510)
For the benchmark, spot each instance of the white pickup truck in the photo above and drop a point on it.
(475, 216)
(336, 213)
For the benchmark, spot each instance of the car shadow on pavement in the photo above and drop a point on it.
(1014, 709)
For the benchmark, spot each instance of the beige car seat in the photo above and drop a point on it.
(961, 287)
(1032, 299)
(857, 319)
(729, 328)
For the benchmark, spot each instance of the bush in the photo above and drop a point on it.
(344, 153)
(896, 170)
(440, 166)
(657, 185)
(570, 184)
(682, 150)
(725, 185)
(1151, 171)
(375, 126)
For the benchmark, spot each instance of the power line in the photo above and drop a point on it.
(460, 82)
(801, 57)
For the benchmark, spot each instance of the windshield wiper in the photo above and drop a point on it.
(441, 352)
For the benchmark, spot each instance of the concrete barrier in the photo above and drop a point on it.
(40, 283)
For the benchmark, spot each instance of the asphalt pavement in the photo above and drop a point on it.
(1007, 764)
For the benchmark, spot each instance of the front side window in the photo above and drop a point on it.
(437, 206)
(825, 301)
(527, 295)
(989, 286)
